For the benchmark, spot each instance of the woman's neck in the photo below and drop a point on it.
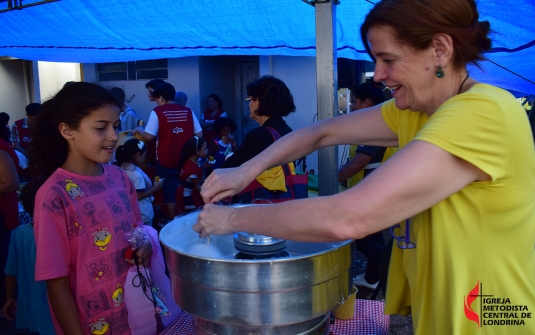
(262, 119)
(214, 111)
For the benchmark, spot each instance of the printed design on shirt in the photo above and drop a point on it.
(99, 326)
(120, 322)
(94, 187)
(126, 200)
(74, 226)
(101, 238)
(491, 310)
(177, 130)
(95, 212)
(55, 201)
(115, 174)
(99, 270)
(95, 303)
(120, 266)
(115, 205)
(118, 296)
(124, 226)
(73, 189)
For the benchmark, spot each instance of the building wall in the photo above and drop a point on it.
(13, 95)
(52, 77)
(183, 75)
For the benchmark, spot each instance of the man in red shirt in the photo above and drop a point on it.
(172, 125)
(20, 131)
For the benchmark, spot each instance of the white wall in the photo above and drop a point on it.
(52, 77)
(13, 94)
(183, 75)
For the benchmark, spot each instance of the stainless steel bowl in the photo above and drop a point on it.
(275, 295)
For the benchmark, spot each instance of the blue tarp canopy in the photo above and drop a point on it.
(87, 31)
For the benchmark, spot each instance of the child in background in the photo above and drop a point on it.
(224, 144)
(190, 173)
(128, 117)
(84, 208)
(129, 156)
(26, 298)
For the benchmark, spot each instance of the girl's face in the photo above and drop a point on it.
(94, 141)
(225, 131)
(203, 151)
(140, 157)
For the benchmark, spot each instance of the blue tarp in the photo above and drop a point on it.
(86, 31)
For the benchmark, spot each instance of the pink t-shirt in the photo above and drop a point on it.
(80, 225)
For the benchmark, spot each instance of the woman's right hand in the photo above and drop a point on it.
(223, 183)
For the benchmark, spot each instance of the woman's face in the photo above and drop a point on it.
(253, 106)
(212, 104)
(407, 72)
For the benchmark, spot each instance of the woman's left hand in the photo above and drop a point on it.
(215, 220)
(144, 254)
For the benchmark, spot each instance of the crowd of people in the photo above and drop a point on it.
(93, 194)
(458, 190)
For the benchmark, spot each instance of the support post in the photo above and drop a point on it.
(327, 90)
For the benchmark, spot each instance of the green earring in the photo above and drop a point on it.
(439, 72)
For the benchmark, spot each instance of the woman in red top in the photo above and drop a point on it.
(215, 111)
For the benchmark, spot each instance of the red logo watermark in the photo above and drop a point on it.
(468, 300)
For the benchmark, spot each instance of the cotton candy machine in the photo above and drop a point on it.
(253, 284)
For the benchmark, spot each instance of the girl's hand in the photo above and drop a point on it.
(157, 185)
(10, 309)
(231, 139)
(143, 255)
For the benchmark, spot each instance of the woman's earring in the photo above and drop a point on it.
(439, 72)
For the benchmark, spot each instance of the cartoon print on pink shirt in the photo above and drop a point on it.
(102, 238)
(95, 303)
(90, 211)
(99, 327)
(120, 322)
(55, 201)
(117, 295)
(74, 226)
(73, 190)
(100, 270)
(115, 205)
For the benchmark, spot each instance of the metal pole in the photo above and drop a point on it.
(327, 90)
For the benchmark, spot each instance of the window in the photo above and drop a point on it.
(137, 70)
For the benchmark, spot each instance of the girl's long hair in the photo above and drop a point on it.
(48, 150)
(190, 148)
(126, 152)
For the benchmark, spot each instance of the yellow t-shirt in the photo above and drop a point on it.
(354, 179)
(481, 237)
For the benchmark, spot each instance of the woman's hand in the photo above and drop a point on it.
(215, 220)
(224, 183)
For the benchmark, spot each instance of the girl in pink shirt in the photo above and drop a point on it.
(84, 208)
